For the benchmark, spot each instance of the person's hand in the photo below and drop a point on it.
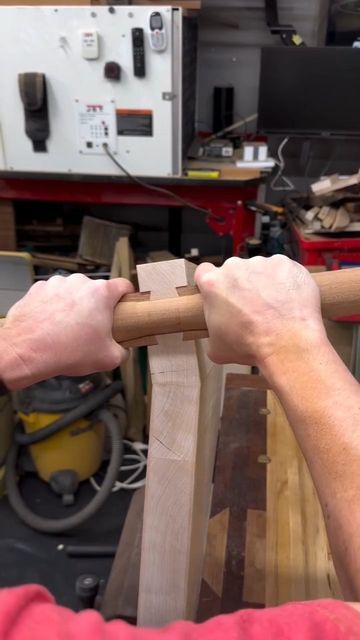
(257, 308)
(62, 326)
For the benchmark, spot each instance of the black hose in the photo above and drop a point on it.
(90, 551)
(88, 405)
(48, 525)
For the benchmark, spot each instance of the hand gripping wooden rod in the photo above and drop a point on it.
(138, 320)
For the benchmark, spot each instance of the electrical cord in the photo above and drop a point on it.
(288, 185)
(160, 190)
(131, 483)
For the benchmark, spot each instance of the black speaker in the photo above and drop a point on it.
(223, 108)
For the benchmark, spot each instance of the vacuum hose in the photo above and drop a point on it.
(48, 525)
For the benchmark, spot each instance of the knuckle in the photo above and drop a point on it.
(77, 277)
(37, 285)
(56, 279)
(102, 288)
(233, 262)
(258, 260)
(280, 259)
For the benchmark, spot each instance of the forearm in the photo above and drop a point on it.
(322, 403)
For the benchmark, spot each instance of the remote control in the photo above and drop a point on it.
(138, 52)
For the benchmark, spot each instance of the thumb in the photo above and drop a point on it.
(117, 288)
(119, 354)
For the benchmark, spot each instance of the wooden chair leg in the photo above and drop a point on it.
(122, 266)
(184, 424)
(121, 594)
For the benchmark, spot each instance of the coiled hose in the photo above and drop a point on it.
(48, 525)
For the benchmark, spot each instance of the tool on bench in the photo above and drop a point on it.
(262, 207)
(138, 319)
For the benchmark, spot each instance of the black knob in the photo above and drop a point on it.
(86, 588)
(112, 71)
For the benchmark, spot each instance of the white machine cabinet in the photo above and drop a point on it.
(92, 76)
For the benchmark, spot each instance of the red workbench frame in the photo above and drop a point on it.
(316, 250)
(223, 198)
(329, 251)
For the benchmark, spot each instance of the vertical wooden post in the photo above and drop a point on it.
(184, 424)
(7, 226)
(122, 265)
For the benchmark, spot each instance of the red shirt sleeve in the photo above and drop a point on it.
(29, 613)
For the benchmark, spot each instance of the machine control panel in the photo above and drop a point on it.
(96, 124)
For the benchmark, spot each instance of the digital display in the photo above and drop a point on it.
(309, 91)
(156, 21)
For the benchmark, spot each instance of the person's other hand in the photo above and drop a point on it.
(259, 307)
(63, 326)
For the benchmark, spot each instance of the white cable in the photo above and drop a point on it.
(288, 185)
(137, 467)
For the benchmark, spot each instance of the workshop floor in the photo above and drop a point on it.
(30, 557)
(255, 448)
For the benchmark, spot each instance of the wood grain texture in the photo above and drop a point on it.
(98, 239)
(298, 558)
(122, 266)
(184, 423)
(240, 485)
(121, 594)
(217, 538)
(185, 4)
(60, 3)
(246, 381)
(138, 319)
(255, 553)
(7, 226)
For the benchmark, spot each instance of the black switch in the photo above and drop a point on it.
(112, 71)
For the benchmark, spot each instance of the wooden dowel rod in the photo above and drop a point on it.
(138, 320)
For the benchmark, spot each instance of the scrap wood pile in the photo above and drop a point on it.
(332, 206)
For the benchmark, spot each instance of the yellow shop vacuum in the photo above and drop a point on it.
(63, 422)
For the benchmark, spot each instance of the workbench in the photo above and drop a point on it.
(224, 199)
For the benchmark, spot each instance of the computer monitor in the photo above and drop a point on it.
(310, 91)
